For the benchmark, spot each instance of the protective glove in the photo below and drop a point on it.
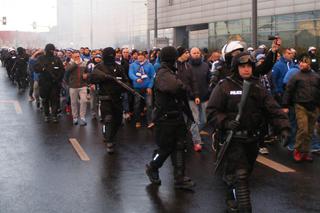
(232, 125)
(285, 134)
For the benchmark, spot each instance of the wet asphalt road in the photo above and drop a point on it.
(40, 172)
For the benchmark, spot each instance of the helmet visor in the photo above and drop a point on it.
(245, 59)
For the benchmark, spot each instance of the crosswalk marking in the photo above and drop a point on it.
(80, 151)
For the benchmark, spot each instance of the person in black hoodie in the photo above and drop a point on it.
(20, 72)
(104, 74)
(199, 95)
(51, 72)
(171, 105)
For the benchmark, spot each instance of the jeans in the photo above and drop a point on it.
(199, 115)
(293, 124)
(315, 140)
(137, 106)
(125, 102)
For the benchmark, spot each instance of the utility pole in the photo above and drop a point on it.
(254, 23)
(91, 27)
(155, 20)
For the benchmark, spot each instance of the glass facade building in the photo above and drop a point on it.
(297, 30)
(209, 23)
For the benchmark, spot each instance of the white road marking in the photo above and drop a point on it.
(15, 103)
(80, 151)
(274, 165)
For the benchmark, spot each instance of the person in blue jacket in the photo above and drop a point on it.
(142, 74)
(279, 70)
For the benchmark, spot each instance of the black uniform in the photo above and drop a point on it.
(20, 69)
(10, 60)
(109, 94)
(51, 72)
(170, 127)
(314, 62)
(241, 155)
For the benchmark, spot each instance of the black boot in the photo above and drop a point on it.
(183, 182)
(243, 192)
(46, 119)
(106, 131)
(232, 206)
(55, 119)
(110, 147)
(153, 175)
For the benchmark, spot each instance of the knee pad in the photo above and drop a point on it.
(242, 174)
(242, 191)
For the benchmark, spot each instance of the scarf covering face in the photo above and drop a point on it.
(108, 56)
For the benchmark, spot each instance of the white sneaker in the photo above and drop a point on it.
(82, 122)
(264, 150)
(75, 121)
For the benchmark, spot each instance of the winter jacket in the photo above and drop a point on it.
(107, 86)
(170, 96)
(304, 89)
(144, 71)
(314, 62)
(279, 70)
(74, 76)
(157, 65)
(200, 71)
(186, 76)
(32, 73)
(290, 73)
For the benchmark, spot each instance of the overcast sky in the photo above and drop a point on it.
(22, 13)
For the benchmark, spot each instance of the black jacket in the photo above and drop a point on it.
(170, 95)
(108, 86)
(303, 88)
(260, 106)
(314, 62)
(21, 64)
(266, 66)
(201, 74)
(186, 76)
(51, 70)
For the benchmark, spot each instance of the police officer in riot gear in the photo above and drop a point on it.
(51, 72)
(20, 70)
(170, 128)
(9, 62)
(222, 68)
(239, 160)
(104, 74)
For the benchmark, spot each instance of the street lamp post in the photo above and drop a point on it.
(155, 20)
(254, 23)
(91, 30)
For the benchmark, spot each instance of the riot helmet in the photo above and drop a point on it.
(230, 48)
(242, 58)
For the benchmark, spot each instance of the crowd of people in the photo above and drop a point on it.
(176, 90)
